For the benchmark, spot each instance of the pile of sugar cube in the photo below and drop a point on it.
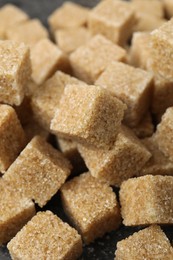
(100, 82)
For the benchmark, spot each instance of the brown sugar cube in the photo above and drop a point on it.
(140, 50)
(91, 59)
(147, 200)
(132, 85)
(70, 151)
(69, 15)
(164, 133)
(10, 15)
(114, 19)
(152, 8)
(15, 71)
(140, 56)
(39, 171)
(162, 96)
(162, 50)
(124, 160)
(149, 243)
(46, 99)
(12, 136)
(91, 206)
(168, 4)
(148, 23)
(158, 164)
(88, 114)
(29, 32)
(46, 58)
(15, 211)
(46, 237)
(70, 39)
(145, 128)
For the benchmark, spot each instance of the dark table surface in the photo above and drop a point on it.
(104, 248)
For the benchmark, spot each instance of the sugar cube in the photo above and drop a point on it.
(88, 114)
(91, 59)
(91, 205)
(131, 85)
(115, 165)
(12, 135)
(69, 15)
(15, 211)
(39, 171)
(149, 243)
(114, 19)
(46, 58)
(46, 237)
(15, 71)
(147, 200)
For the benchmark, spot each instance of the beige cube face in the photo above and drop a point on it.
(147, 200)
(29, 32)
(45, 100)
(88, 114)
(140, 50)
(69, 15)
(39, 171)
(148, 23)
(150, 15)
(46, 58)
(91, 205)
(15, 211)
(124, 160)
(10, 15)
(145, 128)
(70, 39)
(162, 50)
(162, 96)
(158, 164)
(46, 237)
(164, 133)
(149, 243)
(114, 19)
(131, 85)
(152, 7)
(15, 71)
(12, 139)
(90, 60)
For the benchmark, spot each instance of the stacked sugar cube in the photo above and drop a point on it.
(97, 96)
